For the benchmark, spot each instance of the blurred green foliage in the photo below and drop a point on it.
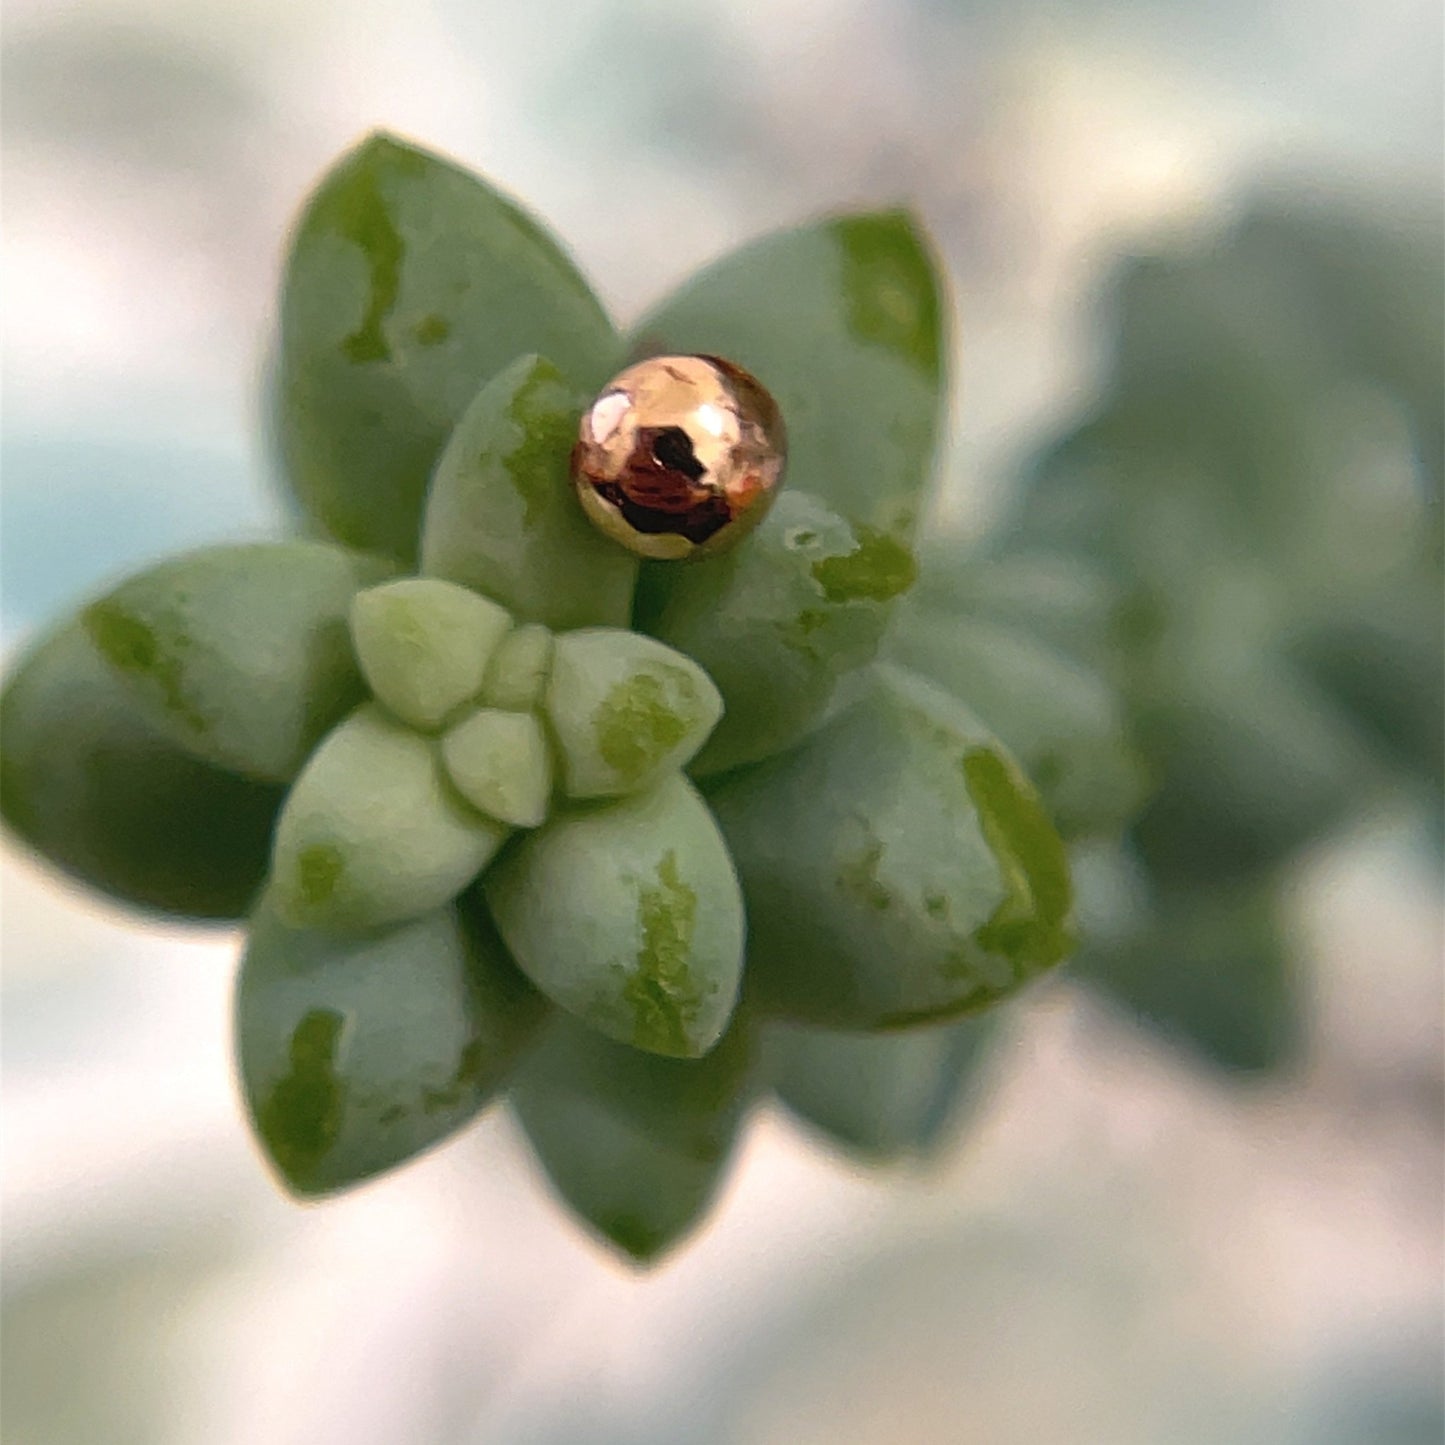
(1259, 490)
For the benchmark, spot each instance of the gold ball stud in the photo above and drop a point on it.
(679, 456)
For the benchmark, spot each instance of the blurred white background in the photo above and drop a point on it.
(1124, 1248)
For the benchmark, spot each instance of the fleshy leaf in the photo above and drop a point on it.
(880, 1098)
(628, 915)
(1067, 601)
(424, 645)
(1063, 722)
(625, 710)
(845, 323)
(897, 866)
(1211, 969)
(519, 669)
(1382, 663)
(778, 622)
(1252, 767)
(91, 785)
(357, 1053)
(635, 1144)
(410, 283)
(501, 764)
(502, 518)
(372, 832)
(239, 654)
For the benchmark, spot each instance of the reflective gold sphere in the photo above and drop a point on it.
(679, 456)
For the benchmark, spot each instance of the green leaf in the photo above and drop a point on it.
(880, 1098)
(845, 323)
(635, 1144)
(1383, 664)
(1062, 722)
(1067, 601)
(90, 784)
(625, 710)
(410, 283)
(519, 669)
(502, 517)
(1210, 968)
(896, 866)
(373, 833)
(627, 914)
(424, 646)
(1251, 768)
(778, 622)
(358, 1053)
(501, 764)
(239, 654)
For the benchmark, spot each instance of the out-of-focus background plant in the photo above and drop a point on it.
(1197, 260)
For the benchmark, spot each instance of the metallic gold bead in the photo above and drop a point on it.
(679, 456)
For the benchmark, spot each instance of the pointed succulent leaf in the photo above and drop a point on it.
(1210, 968)
(357, 1053)
(409, 284)
(778, 622)
(90, 784)
(625, 710)
(635, 1144)
(845, 323)
(501, 764)
(372, 832)
(424, 646)
(897, 865)
(1382, 662)
(239, 654)
(519, 669)
(502, 518)
(1251, 767)
(628, 915)
(880, 1097)
(1063, 723)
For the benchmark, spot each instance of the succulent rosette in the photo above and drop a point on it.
(511, 813)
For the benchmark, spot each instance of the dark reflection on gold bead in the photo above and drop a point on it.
(679, 456)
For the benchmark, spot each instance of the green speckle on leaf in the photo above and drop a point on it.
(301, 1118)
(644, 717)
(534, 464)
(363, 218)
(935, 905)
(1030, 926)
(471, 1069)
(131, 645)
(878, 569)
(882, 266)
(859, 876)
(318, 870)
(432, 330)
(662, 993)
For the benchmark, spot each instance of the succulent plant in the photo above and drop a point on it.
(512, 813)
(509, 811)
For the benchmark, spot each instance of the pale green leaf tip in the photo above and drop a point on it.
(424, 646)
(519, 669)
(625, 710)
(501, 764)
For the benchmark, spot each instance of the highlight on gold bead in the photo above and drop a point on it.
(679, 456)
